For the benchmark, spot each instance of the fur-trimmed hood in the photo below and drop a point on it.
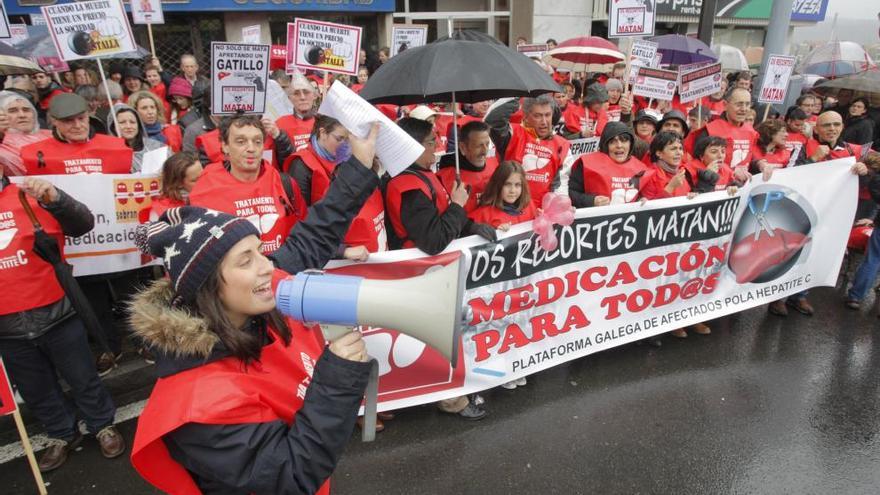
(180, 339)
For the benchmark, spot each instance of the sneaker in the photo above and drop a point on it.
(472, 412)
(521, 382)
(106, 363)
(801, 305)
(681, 333)
(778, 308)
(509, 385)
(111, 442)
(476, 399)
(57, 452)
(853, 304)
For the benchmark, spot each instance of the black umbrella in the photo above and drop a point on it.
(455, 69)
(46, 247)
(847, 88)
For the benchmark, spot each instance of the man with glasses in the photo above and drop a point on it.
(740, 139)
(299, 125)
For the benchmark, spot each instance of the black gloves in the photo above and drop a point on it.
(484, 231)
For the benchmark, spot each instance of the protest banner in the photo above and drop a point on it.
(620, 273)
(405, 36)
(89, 29)
(240, 74)
(38, 20)
(776, 76)
(631, 18)
(655, 83)
(698, 80)
(323, 46)
(147, 12)
(583, 146)
(641, 55)
(251, 34)
(4, 23)
(119, 202)
(533, 50)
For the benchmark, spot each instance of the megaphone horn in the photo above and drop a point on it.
(426, 307)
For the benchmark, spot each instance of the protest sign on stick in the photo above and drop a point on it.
(533, 50)
(641, 54)
(148, 12)
(631, 18)
(251, 34)
(404, 36)
(323, 46)
(696, 81)
(655, 83)
(4, 23)
(89, 29)
(240, 73)
(8, 406)
(776, 76)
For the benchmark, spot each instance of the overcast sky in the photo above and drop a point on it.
(854, 9)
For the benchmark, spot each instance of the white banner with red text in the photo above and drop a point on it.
(620, 274)
(119, 203)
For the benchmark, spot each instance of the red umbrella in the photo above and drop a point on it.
(584, 54)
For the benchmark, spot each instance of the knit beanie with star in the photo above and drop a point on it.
(192, 242)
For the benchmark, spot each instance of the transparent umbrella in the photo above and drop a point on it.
(731, 57)
(836, 59)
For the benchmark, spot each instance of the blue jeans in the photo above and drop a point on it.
(867, 272)
(32, 366)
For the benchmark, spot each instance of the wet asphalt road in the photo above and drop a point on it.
(764, 405)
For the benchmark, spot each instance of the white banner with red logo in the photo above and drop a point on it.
(620, 273)
(118, 203)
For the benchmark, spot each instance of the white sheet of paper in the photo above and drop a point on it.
(394, 147)
(267, 155)
(154, 161)
(277, 103)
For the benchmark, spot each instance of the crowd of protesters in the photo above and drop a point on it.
(323, 195)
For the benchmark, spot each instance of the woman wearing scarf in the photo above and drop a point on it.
(152, 115)
(314, 167)
(131, 129)
(23, 130)
(668, 178)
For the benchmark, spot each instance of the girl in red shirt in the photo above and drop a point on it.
(506, 200)
(179, 175)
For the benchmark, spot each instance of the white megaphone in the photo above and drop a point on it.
(426, 307)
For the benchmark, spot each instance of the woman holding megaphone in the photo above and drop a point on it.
(248, 401)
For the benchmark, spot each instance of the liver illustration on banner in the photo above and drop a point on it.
(770, 236)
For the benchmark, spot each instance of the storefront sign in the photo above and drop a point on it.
(801, 10)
